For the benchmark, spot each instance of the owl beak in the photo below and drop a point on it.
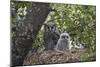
(66, 38)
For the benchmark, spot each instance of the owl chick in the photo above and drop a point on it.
(63, 42)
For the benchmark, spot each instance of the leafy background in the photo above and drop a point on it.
(78, 20)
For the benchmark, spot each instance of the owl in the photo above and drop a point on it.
(63, 42)
(51, 35)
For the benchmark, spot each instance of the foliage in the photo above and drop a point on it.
(19, 5)
(79, 21)
(39, 41)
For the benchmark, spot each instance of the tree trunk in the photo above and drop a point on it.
(26, 32)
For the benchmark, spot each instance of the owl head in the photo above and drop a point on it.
(65, 36)
(50, 27)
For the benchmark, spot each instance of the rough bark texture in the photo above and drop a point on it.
(53, 57)
(26, 32)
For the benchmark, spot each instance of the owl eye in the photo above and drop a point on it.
(48, 27)
(63, 36)
(67, 37)
(52, 27)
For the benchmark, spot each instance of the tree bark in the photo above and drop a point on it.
(26, 32)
